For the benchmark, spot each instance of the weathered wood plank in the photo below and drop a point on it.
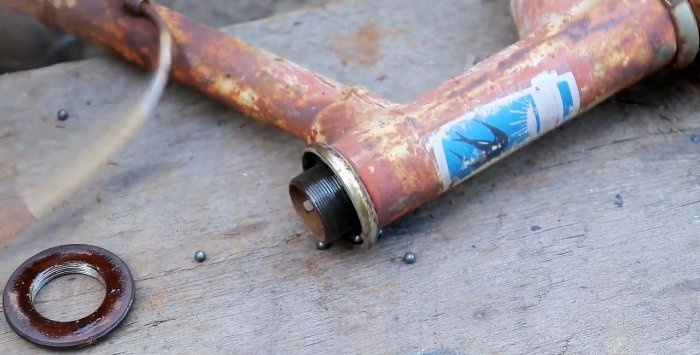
(531, 256)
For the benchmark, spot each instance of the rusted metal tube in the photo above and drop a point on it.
(530, 15)
(388, 159)
(420, 150)
(258, 83)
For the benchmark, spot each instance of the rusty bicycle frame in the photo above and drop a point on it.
(371, 161)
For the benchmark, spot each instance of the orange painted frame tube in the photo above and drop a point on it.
(389, 158)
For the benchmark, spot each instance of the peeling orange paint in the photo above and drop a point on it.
(606, 45)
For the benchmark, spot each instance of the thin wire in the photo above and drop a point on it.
(43, 199)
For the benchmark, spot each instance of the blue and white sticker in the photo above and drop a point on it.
(468, 143)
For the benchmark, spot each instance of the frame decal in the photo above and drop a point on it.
(467, 143)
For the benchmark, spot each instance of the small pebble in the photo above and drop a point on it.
(695, 138)
(410, 257)
(200, 256)
(535, 228)
(62, 115)
(323, 245)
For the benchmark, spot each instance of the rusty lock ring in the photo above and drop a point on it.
(49, 264)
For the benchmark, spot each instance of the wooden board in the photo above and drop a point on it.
(531, 256)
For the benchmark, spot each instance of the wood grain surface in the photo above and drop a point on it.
(585, 242)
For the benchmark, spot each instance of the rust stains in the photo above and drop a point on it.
(258, 83)
(604, 45)
(14, 218)
(362, 48)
